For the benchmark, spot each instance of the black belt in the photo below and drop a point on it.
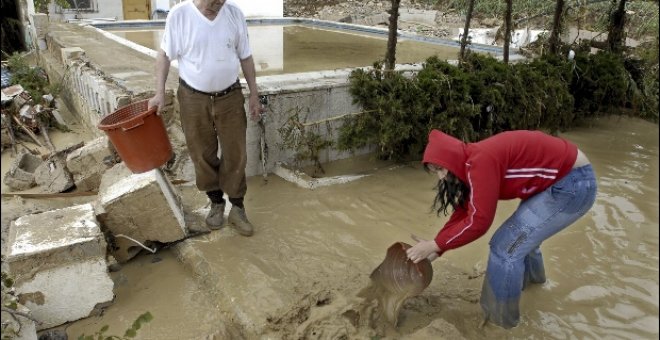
(236, 85)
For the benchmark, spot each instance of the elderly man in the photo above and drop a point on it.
(209, 39)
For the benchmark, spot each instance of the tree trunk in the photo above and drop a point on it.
(615, 35)
(390, 57)
(468, 17)
(556, 28)
(507, 32)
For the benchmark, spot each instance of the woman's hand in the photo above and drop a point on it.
(424, 249)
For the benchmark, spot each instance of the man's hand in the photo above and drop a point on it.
(424, 249)
(255, 107)
(158, 100)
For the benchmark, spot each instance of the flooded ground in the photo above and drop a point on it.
(159, 284)
(294, 49)
(313, 250)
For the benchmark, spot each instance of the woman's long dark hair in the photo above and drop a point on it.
(451, 192)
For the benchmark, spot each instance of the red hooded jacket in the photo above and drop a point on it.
(513, 164)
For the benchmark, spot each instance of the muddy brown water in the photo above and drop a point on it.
(602, 271)
(307, 49)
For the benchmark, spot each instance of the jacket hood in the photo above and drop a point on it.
(447, 152)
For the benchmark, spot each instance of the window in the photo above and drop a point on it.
(80, 6)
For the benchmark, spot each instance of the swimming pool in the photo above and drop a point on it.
(285, 46)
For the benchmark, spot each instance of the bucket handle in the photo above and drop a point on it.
(133, 125)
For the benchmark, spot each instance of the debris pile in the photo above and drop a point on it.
(26, 121)
(25, 118)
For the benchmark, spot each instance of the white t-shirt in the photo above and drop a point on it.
(209, 52)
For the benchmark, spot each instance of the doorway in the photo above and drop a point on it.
(136, 9)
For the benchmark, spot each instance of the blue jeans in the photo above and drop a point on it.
(515, 259)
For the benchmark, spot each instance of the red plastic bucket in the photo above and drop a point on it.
(139, 136)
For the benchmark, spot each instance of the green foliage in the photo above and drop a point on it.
(641, 17)
(394, 108)
(483, 96)
(304, 139)
(11, 36)
(592, 14)
(601, 84)
(451, 105)
(129, 333)
(647, 78)
(555, 100)
(495, 9)
(7, 281)
(476, 99)
(34, 80)
(9, 303)
(41, 6)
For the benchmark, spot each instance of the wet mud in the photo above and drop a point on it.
(300, 276)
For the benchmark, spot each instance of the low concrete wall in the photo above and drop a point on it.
(314, 99)
(102, 75)
(97, 75)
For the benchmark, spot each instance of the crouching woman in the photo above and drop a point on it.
(552, 177)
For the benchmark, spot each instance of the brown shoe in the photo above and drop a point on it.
(216, 217)
(239, 220)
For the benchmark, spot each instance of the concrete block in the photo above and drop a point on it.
(41, 25)
(86, 164)
(5, 138)
(144, 207)
(113, 175)
(57, 259)
(418, 15)
(21, 173)
(372, 20)
(58, 117)
(71, 53)
(42, 44)
(40, 32)
(52, 176)
(40, 20)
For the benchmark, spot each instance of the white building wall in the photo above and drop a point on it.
(261, 8)
(105, 9)
(109, 9)
(267, 44)
(112, 9)
(251, 8)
